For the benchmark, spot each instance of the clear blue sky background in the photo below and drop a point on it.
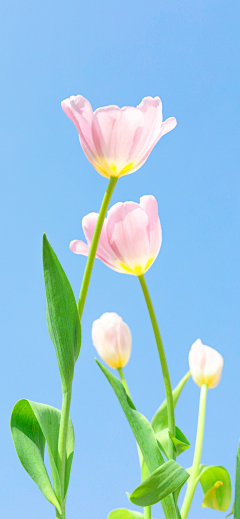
(117, 53)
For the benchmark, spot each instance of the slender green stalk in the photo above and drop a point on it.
(147, 512)
(93, 249)
(62, 441)
(120, 371)
(162, 356)
(193, 480)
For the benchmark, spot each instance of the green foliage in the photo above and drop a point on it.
(144, 435)
(160, 419)
(162, 482)
(62, 315)
(216, 485)
(237, 487)
(180, 441)
(32, 426)
(124, 513)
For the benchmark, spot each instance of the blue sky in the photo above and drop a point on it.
(117, 53)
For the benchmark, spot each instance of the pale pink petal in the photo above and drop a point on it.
(79, 247)
(168, 125)
(151, 109)
(79, 110)
(104, 250)
(150, 206)
(126, 231)
(126, 133)
(103, 123)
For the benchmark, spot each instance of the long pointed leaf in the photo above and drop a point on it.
(62, 315)
(143, 433)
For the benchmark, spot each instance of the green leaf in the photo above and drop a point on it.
(143, 433)
(62, 315)
(216, 485)
(123, 513)
(180, 441)
(237, 486)
(162, 482)
(32, 426)
(160, 419)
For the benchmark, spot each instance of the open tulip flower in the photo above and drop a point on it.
(206, 364)
(117, 141)
(131, 236)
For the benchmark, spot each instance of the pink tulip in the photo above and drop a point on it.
(206, 364)
(131, 236)
(112, 340)
(117, 141)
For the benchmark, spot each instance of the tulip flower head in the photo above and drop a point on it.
(112, 339)
(131, 236)
(117, 141)
(206, 364)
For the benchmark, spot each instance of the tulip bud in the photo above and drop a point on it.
(205, 364)
(112, 339)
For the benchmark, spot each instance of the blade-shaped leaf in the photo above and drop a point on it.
(33, 425)
(124, 513)
(216, 485)
(143, 433)
(160, 419)
(162, 482)
(237, 486)
(62, 315)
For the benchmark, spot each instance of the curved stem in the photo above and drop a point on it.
(124, 382)
(165, 372)
(93, 249)
(62, 441)
(193, 480)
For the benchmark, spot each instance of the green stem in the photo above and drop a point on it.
(124, 383)
(93, 249)
(193, 480)
(147, 512)
(62, 441)
(165, 372)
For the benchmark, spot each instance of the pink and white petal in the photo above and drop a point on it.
(126, 231)
(103, 123)
(168, 125)
(79, 247)
(151, 110)
(104, 250)
(150, 206)
(126, 133)
(79, 110)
